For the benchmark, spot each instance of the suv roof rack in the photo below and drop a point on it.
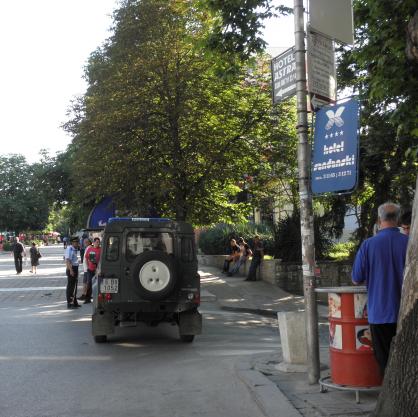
(138, 219)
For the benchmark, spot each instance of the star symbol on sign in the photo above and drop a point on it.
(341, 132)
(336, 134)
(331, 135)
(326, 136)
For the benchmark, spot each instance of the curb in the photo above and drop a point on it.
(259, 311)
(272, 401)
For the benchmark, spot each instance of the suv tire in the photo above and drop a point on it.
(154, 275)
(187, 338)
(100, 338)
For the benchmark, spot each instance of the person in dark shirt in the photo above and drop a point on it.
(380, 264)
(244, 254)
(234, 251)
(18, 251)
(258, 255)
(406, 222)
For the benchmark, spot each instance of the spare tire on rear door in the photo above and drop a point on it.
(154, 275)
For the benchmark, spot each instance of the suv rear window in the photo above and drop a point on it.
(138, 242)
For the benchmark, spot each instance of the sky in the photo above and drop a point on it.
(44, 47)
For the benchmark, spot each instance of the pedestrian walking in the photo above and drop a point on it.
(18, 252)
(234, 251)
(92, 255)
(258, 255)
(35, 255)
(65, 241)
(379, 264)
(71, 262)
(244, 254)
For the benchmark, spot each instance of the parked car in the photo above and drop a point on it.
(147, 273)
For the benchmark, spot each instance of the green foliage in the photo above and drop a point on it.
(167, 131)
(215, 240)
(342, 251)
(24, 203)
(377, 69)
(7, 246)
(287, 238)
(238, 25)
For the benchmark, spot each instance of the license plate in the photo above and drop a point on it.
(109, 285)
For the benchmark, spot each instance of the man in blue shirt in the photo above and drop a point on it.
(380, 264)
(71, 263)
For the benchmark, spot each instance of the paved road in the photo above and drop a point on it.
(50, 366)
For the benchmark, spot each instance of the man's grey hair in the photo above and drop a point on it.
(389, 212)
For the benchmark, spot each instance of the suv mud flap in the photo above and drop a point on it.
(190, 323)
(102, 323)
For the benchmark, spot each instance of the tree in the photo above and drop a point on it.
(22, 203)
(376, 69)
(399, 393)
(238, 25)
(168, 132)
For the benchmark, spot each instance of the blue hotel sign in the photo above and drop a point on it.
(335, 154)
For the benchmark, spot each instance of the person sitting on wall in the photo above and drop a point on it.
(233, 256)
(245, 253)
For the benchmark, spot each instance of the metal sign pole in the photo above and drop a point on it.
(306, 211)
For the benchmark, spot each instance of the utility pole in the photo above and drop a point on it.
(305, 195)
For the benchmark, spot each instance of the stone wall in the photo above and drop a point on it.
(288, 275)
(331, 274)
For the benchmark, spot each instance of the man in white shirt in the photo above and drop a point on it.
(71, 262)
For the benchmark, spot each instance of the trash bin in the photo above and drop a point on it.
(352, 360)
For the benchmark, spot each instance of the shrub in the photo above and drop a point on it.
(7, 246)
(288, 240)
(342, 251)
(215, 240)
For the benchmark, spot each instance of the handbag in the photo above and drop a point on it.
(38, 255)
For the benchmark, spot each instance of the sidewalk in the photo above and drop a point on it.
(274, 390)
(233, 293)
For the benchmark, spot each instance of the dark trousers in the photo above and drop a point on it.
(18, 263)
(71, 292)
(382, 335)
(252, 272)
(226, 265)
(90, 275)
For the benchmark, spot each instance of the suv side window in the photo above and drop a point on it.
(112, 248)
(138, 242)
(187, 249)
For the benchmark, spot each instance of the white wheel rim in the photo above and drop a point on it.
(154, 276)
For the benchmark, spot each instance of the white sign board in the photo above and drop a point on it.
(283, 70)
(333, 18)
(321, 67)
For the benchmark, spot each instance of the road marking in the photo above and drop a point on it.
(28, 289)
(55, 358)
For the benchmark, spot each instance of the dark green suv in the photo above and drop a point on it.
(147, 273)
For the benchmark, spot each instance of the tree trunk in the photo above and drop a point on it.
(412, 38)
(399, 396)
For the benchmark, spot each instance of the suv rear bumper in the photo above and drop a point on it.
(146, 307)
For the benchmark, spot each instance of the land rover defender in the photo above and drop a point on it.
(147, 273)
